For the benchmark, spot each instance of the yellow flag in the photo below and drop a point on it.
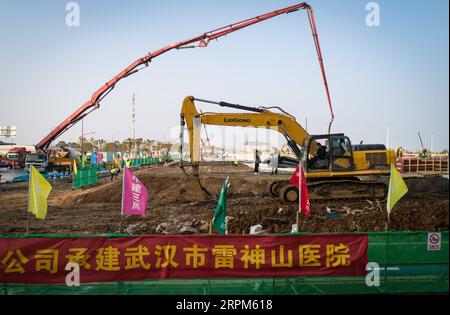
(75, 169)
(38, 193)
(397, 189)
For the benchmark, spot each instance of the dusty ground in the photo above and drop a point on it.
(178, 205)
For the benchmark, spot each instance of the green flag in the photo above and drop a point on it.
(221, 211)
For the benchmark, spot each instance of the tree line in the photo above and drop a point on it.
(128, 145)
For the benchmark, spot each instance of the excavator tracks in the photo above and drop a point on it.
(331, 190)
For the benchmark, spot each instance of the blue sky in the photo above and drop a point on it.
(394, 75)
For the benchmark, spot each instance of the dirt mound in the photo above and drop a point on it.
(168, 186)
(428, 187)
(161, 189)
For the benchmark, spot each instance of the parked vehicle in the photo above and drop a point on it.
(16, 157)
(4, 164)
(43, 163)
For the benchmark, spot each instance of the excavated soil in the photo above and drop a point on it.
(179, 204)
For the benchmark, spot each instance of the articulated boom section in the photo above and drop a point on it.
(285, 124)
(199, 41)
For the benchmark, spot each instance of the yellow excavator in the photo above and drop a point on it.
(335, 169)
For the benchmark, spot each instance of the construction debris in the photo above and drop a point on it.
(256, 229)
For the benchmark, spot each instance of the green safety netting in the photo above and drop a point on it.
(411, 268)
(88, 176)
(85, 177)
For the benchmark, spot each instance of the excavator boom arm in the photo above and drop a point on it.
(294, 133)
(202, 40)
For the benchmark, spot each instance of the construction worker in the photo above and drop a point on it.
(117, 162)
(424, 154)
(339, 148)
(257, 161)
(322, 152)
(128, 163)
(274, 160)
(115, 173)
(399, 152)
(341, 154)
(321, 156)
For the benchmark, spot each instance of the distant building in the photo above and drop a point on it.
(5, 147)
(4, 143)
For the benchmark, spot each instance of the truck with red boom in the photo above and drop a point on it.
(201, 41)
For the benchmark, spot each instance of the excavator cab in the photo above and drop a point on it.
(332, 153)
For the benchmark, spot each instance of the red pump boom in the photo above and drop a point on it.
(203, 41)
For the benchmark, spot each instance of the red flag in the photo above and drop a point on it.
(295, 180)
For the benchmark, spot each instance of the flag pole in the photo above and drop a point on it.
(28, 223)
(123, 197)
(386, 260)
(29, 200)
(121, 222)
(388, 223)
(211, 225)
(386, 250)
(386, 245)
(300, 174)
(226, 221)
(388, 206)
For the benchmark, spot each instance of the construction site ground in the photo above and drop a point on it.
(178, 205)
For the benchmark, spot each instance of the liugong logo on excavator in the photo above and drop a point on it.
(238, 120)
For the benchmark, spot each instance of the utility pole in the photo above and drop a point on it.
(388, 137)
(82, 137)
(13, 163)
(432, 144)
(113, 143)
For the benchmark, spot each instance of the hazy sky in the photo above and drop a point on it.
(394, 75)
